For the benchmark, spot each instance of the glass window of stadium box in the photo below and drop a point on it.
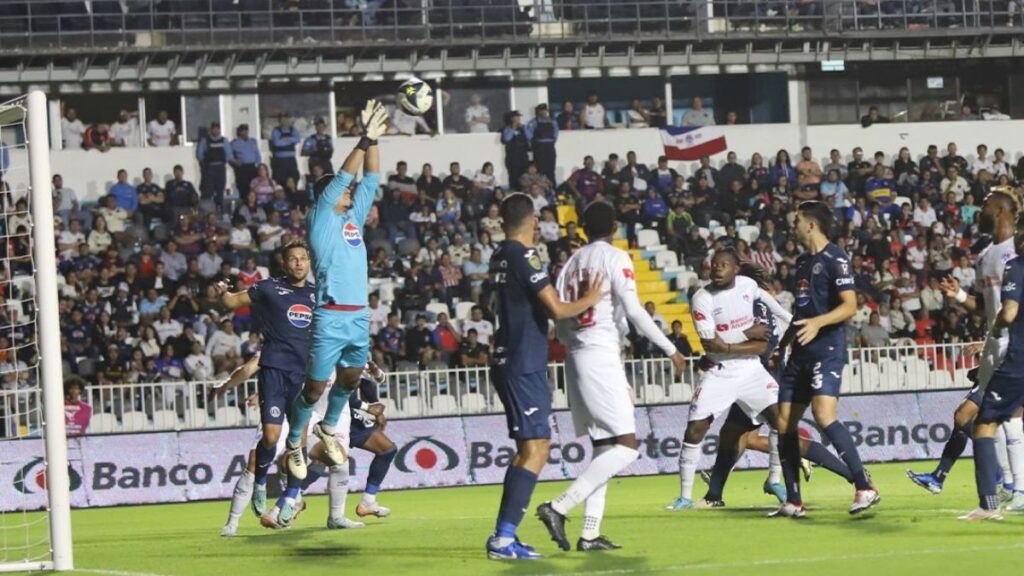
(94, 109)
(832, 100)
(350, 97)
(200, 112)
(886, 91)
(933, 98)
(615, 94)
(303, 107)
(751, 98)
(156, 103)
(474, 104)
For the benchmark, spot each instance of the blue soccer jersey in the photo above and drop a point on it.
(521, 342)
(283, 313)
(1004, 393)
(336, 241)
(1013, 291)
(820, 278)
(763, 315)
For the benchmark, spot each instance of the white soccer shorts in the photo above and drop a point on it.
(744, 382)
(600, 397)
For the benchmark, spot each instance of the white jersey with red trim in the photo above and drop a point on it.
(989, 277)
(605, 324)
(728, 312)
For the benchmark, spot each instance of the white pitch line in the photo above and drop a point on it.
(104, 572)
(786, 561)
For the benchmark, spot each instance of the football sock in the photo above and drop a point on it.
(337, 489)
(1004, 461)
(954, 447)
(817, 453)
(593, 512)
(689, 456)
(241, 496)
(602, 468)
(847, 450)
(302, 410)
(724, 463)
(789, 454)
(337, 401)
(378, 470)
(1014, 430)
(292, 488)
(515, 498)
(315, 471)
(774, 462)
(986, 470)
(264, 458)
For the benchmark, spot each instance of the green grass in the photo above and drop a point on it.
(443, 532)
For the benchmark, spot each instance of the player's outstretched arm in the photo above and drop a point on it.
(809, 327)
(241, 374)
(560, 310)
(233, 300)
(951, 288)
(773, 305)
(645, 325)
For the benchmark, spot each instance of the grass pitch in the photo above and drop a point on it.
(443, 532)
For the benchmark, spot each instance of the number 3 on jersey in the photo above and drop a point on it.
(586, 319)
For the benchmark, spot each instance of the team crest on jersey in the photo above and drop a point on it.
(353, 237)
(300, 315)
(803, 293)
(818, 268)
(533, 259)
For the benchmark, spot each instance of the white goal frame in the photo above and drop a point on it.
(47, 334)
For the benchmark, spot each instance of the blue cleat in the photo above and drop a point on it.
(927, 481)
(259, 500)
(514, 551)
(775, 489)
(680, 504)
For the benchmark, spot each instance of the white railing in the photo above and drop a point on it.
(902, 367)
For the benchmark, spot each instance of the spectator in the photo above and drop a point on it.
(99, 237)
(402, 183)
(419, 339)
(758, 172)
(873, 117)
(319, 147)
(477, 116)
(662, 177)
(833, 187)
(924, 214)
(175, 263)
(781, 167)
(954, 184)
(97, 137)
(283, 140)
(953, 159)
(116, 217)
(475, 270)
(151, 199)
(517, 147)
(637, 115)
(593, 115)
(428, 184)
(378, 314)
(391, 340)
(270, 233)
(679, 340)
(567, 118)
(125, 132)
(244, 158)
(982, 162)
(697, 115)
(967, 114)
(198, 365)
(213, 154)
(446, 339)
(209, 261)
(456, 182)
(161, 131)
(182, 197)
(68, 241)
(472, 352)
(65, 201)
(585, 183)
(808, 171)
(657, 117)
(224, 345)
(72, 130)
(879, 188)
(542, 132)
(731, 118)
(124, 193)
(874, 335)
(405, 124)
(240, 240)
(835, 163)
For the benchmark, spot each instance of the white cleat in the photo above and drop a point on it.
(333, 452)
(343, 524)
(789, 510)
(229, 530)
(296, 461)
(864, 499)
(364, 510)
(1016, 503)
(980, 514)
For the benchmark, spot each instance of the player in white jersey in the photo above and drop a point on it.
(723, 313)
(599, 394)
(999, 217)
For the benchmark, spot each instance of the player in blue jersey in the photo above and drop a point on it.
(282, 309)
(825, 300)
(520, 367)
(341, 319)
(740, 433)
(1004, 395)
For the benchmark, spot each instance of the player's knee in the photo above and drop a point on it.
(349, 378)
(313, 390)
(270, 438)
(963, 416)
(695, 431)
(534, 452)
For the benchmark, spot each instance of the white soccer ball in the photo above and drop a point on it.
(415, 96)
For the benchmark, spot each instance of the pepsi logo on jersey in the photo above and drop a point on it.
(353, 237)
(300, 315)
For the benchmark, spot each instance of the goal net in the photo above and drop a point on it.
(35, 524)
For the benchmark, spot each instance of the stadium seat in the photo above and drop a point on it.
(103, 423)
(917, 373)
(891, 374)
(165, 420)
(645, 238)
(902, 201)
(386, 291)
(749, 233)
(252, 415)
(444, 405)
(653, 394)
(559, 400)
(473, 402)
(940, 379)
(227, 417)
(678, 393)
(684, 280)
(389, 407)
(666, 259)
(850, 381)
(135, 422)
(436, 308)
(704, 232)
(412, 407)
(960, 377)
(463, 309)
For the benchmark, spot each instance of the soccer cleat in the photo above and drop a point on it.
(705, 475)
(289, 511)
(269, 520)
(333, 451)
(807, 468)
(295, 460)
(364, 510)
(514, 551)
(1005, 493)
(864, 499)
(680, 504)
(596, 545)
(927, 481)
(229, 530)
(1016, 502)
(259, 500)
(555, 523)
(343, 523)
(704, 504)
(775, 489)
(982, 514)
(789, 510)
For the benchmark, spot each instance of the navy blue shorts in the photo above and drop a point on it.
(527, 401)
(975, 395)
(278, 388)
(359, 434)
(1003, 396)
(805, 378)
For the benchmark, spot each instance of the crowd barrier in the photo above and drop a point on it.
(188, 465)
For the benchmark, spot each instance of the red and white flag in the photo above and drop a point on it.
(691, 143)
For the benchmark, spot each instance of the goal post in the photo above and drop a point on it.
(34, 410)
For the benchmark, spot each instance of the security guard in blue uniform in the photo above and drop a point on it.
(542, 132)
(213, 154)
(319, 148)
(283, 141)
